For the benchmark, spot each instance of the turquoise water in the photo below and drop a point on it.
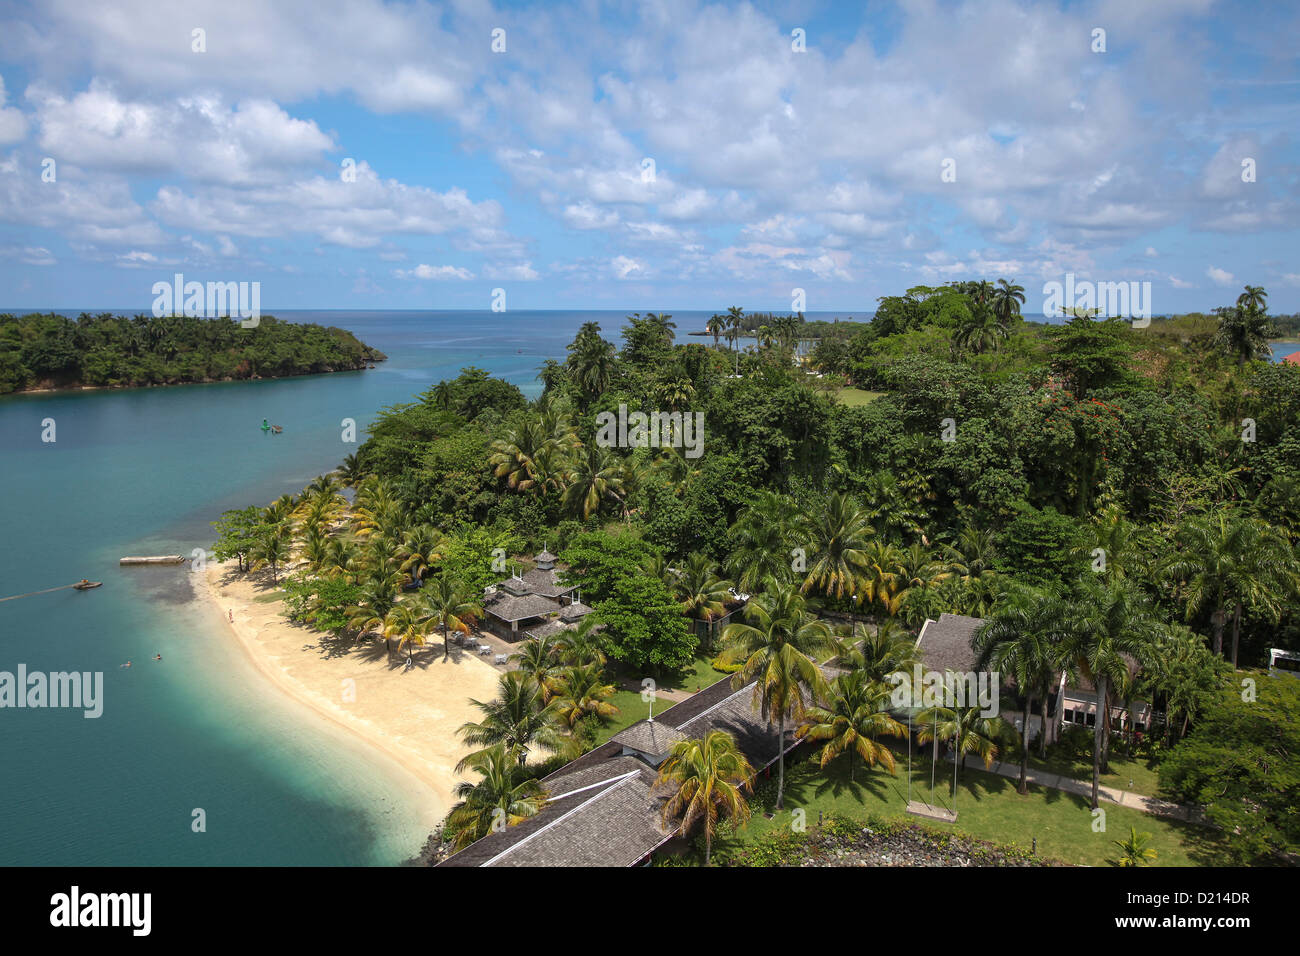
(144, 472)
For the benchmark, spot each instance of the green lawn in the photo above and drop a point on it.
(632, 708)
(987, 807)
(856, 396)
(1135, 774)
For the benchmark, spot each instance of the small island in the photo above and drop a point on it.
(47, 351)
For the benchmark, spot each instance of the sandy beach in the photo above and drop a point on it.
(410, 715)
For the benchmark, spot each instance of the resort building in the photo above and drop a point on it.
(533, 603)
(604, 808)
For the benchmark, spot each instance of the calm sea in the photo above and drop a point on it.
(144, 472)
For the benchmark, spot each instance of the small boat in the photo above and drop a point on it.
(84, 585)
(276, 429)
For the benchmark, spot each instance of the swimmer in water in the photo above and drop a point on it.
(127, 664)
(157, 657)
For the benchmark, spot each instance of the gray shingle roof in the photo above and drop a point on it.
(649, 737)
(510, 607)
(945, 643)
(547, 582)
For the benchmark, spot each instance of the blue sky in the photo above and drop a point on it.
(527, 170)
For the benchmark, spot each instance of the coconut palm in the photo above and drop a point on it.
(708, 778)
(1105, 624)
(403, 621)
(272, 550)
(968, 729)
(890, 510)
(581, 690)
(447, 603)
(761, 542)
(1025, 641)
(701, 591)
(504, 795)
(539, 658)
(597, 477)
(856, 712)
(420, 551)
(351, 472)
(838, 535)
(518, 718)
(881, 577)
(1228, 560)
(1135, 849)
(716, 326)
(581, 645)
(879, 652)
(591, 362)
(778, 648)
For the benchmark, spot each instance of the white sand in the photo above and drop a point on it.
(410, 715)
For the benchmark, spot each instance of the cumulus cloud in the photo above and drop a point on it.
(1220, 276)
(424, 271)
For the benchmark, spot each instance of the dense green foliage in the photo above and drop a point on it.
(107, 350)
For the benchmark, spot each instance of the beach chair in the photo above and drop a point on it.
(503, 658)
(484, 650)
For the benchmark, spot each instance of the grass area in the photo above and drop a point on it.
(856, 396)
(1135, 774)
(632, 708)
(987, 806)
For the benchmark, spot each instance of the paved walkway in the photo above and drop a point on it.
(1123, 798)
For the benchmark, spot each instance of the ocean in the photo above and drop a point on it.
(144, 471)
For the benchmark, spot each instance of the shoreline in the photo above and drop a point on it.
(409, 717)
(57, 389)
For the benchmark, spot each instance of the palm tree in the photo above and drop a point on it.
(778, 650)
(1227, 559)
(882, 575)
(968, 729)
(761, 542)
(539, 658)
(890, 509)
(447, 603)
(421, 549)
(1243, 332)
(856, 713)
(273, 549)
(703, 594)
(591, 362)
(708, 778)
(504, 795)
(518, 717)
(1253, 298)
(735, 325)
(880, 651)
(1135, 849)
(982, 332)
(716, 326)
(1025, 641)
(581, 645)
(1007, 299)
(403, 621)
(580, 691)
(1104, 621)
(838, 534)
(597, 476)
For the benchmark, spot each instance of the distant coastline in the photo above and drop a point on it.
(47, 352)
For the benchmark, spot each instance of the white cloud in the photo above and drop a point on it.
(424, 271)
(1220, 276)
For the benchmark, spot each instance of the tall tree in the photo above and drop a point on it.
(778, 649)
(708, 778)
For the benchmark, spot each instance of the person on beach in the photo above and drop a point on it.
(232, 615)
